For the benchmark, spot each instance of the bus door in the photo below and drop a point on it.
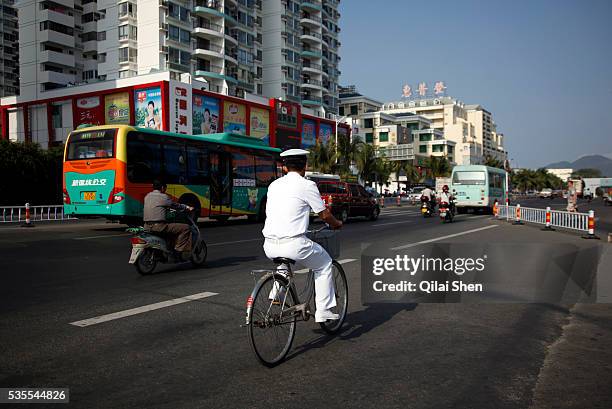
(220, 183)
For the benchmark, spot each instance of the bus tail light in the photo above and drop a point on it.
(66, 197)
(115, 197)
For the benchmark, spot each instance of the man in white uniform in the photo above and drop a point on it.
(290, 199)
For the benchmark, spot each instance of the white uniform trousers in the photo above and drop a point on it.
(311, 255)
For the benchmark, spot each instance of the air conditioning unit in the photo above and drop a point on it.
(436, 102)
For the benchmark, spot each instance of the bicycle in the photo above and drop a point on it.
(274, 306)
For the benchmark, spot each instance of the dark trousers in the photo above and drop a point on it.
(179, 232)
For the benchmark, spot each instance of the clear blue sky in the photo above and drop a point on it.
(542, 67)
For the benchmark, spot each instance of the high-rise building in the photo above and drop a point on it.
(9, 55)
(272, 48)
(301, 52)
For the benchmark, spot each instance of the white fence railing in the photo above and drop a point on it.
(16, 214)
(583, 222)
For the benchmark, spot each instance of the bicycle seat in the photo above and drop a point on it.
(283, 260)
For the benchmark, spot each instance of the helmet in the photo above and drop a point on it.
(445, 188)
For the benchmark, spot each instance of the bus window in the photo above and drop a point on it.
(197, 165)
(264, 170)
(469, 178)
(243, 166)
(91, 145)
(175, 163)
(144, 155)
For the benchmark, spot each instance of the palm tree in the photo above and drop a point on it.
(347, 153)
(384, 169)
(365, 161)
(322, 157)
(438, 166)
(492, 162)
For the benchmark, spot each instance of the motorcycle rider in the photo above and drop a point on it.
(290, 199)
(430, 197)
(156, 203)
(446, 197)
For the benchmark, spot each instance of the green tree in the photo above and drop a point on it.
(366, 162)
(347, 154)
(438, 166)
(322, 157)
(493, 162)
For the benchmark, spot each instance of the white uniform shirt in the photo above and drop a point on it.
(290, 199)
(427, 192)
(445, 197)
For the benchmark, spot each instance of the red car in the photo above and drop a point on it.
(346, 200)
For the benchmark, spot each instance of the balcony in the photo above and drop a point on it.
(209, 50)
(207, 8)
(311, 37)
(311, 100)
(57, 17)
(57, 38)
(311, 21)
(55, 77)
(57, 58)
(216, 75)
(207, 30)
(231, 38)
(311, 54)
(310, 83)
(312, 5)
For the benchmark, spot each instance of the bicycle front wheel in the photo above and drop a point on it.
(341, 293)
(271, 330)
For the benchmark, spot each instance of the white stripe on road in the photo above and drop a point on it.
(443, 237)
(343, 261)
(387, 224)
(101, 237)
(139, 310)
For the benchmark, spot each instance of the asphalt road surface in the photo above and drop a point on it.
(194, 354)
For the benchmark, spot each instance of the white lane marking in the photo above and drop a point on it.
(343, 261)
(443, 237)
(101, 237)
(139, 310)
(235, 242)
(400, 215)
(386, 224)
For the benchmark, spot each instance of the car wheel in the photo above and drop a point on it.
(344, 215)
(374, 215)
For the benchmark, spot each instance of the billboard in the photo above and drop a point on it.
(325, 132)
(89, 111)
(117, 108)
(180, 107)
(148, 108)
(234, 117)
(205, 114)
(309, 136)
(260, 124)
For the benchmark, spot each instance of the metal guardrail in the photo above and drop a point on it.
(17, 214)
(583, 222)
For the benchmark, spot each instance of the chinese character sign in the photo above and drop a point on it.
(180, 108)
(439, 88)
(89, 111)
(421, 90)
(406, 91)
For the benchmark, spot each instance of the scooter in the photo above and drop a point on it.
(149, 248)
(446, 212)
(426, 207)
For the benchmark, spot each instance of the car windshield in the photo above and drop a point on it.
(469, 178)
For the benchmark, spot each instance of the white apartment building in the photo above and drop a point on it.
(301, 52)
(220, 42)
(9, 56)
(563, 174)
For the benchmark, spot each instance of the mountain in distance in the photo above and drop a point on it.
(600, 162)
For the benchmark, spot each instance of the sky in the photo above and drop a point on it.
(543, 68)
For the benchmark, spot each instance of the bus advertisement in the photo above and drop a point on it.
(108, 170)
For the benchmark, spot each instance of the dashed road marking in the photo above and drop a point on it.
(139, 310)
(405, 246)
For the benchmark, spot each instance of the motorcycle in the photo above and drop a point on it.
(426, 207)
(447, 213)
(149, 248)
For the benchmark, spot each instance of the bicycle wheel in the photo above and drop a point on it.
(341, 308)
(270, 332)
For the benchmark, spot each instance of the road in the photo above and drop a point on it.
(196, 355)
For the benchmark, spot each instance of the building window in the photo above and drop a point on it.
(353, 109)
(56, 116)
(123, 32)
(102, 36)
(341, 111)
(123, 54)
(369, 137)
(383, 136)
(102, 57)
(437, 148)
(423, 149)
(425, 137)
(368, 123)
(127, 9)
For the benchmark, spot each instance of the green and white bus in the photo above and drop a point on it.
(478, 187)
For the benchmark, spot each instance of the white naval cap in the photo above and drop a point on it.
(294, 152)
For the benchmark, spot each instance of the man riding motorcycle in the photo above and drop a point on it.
(428, 196)
(446, 197)
(156, 203)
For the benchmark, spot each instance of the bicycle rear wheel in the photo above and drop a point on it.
(270, 332)
(341, 308)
